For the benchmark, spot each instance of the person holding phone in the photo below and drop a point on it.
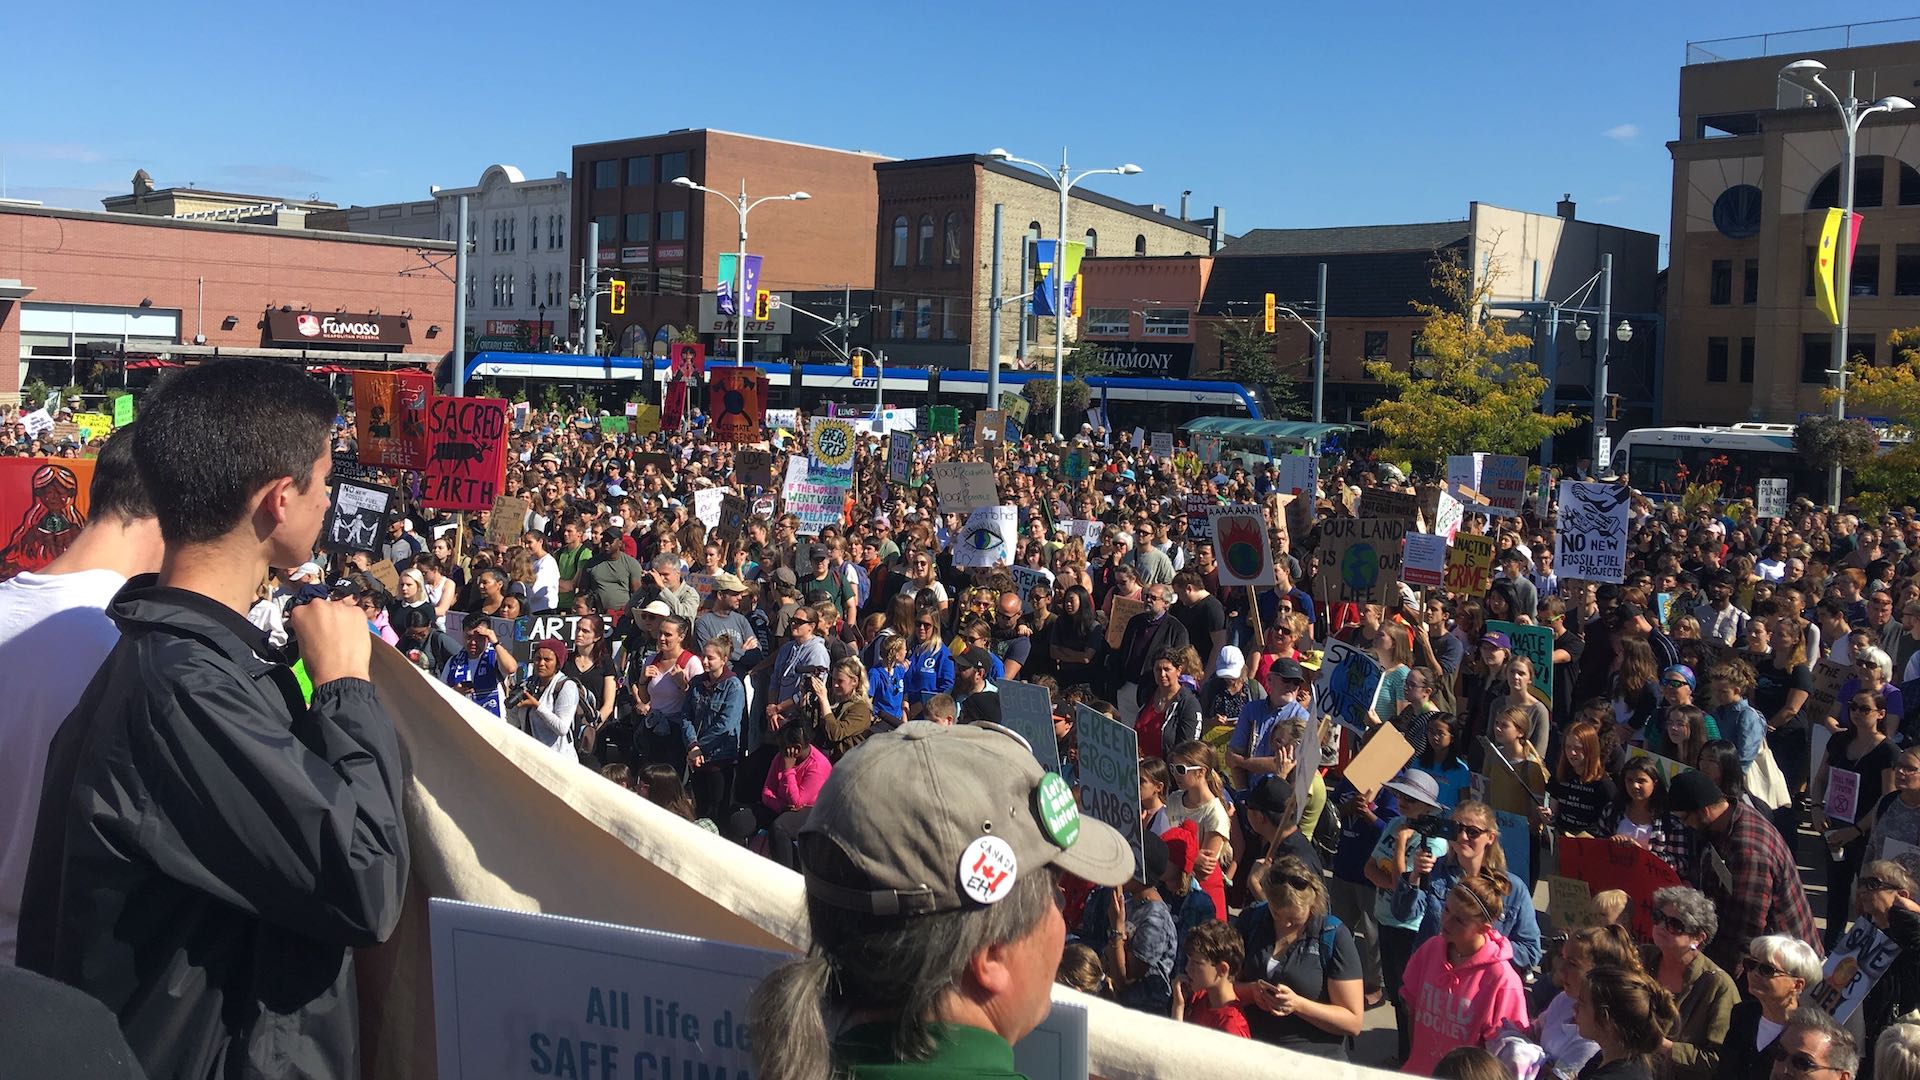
(479, 671)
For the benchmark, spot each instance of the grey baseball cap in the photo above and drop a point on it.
(932, 818)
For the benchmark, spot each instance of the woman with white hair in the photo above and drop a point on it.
(1896, 1056)
(1684, 920)
(1777, 970)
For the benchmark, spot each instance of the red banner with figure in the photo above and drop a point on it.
(43, 506)
(390, 417)
(467, 469)
(737, 404)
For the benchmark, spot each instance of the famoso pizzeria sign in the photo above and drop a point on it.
(317, 328)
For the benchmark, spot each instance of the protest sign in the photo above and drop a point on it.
(122, 410)
(358, 517)
(1016, 407)
(989, 426)
(1570, 901)
(1863, 955)
(1162, 445)
(1121, 611)
(944, 420)
(1401, 506)
(736, 404)
(1207, 447)
(1362, 559)
(467, 466)
(1662, 609)
(390, 418)
(733, 518)
(706, 506)
(1771, 501)
(1843, 794)
(37, 424)
(815, 501)
(613, 425)
(1823, 700)
(661, 464)
(900, 457)
(1590, 542)
(1463, 470)
(542, 625)
(1300, 476)
(522, 414)
(1665, 766)
(1516, 840)
(1242, 551)
(1025, 578)
(1448, 512)
(988, 537)
(1349, 684)
(1536, 644)
(645, 420)
(1424, 563)
(520, 993)
(43, 507)
(386, 574)
(784, 419)
(1503, 480)
(830, 444)
(1199, 525)
(1110, 776)
(1605, 864)
(753, 467)
(1470, 565)
(964, 486)
(1028, 710)
(508, 520)
(348, 467)
(93, 425)
(1139, 439)
(1386, 753)
(1075, 465)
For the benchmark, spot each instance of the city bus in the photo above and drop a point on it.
(1126, 401)
(1663, 461)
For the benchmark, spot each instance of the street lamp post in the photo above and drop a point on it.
(742, 206)
(1805, 74)
(1064, 181)
(1622, 333)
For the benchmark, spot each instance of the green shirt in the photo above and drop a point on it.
(866, 1053)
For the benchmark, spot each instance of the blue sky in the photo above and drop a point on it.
(1285, 114)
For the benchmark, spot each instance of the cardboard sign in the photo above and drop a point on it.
(661, 464)
(1424, 562)
(93, 425)
(1348, 686)
(1863, 955)
(1503, 480)
(830, 444)
(1120, 612)
(1401, 506)
(1161, 445)
(733, 518)
(1110, 776)
(1666, 767)
(1386, 753)
(358, 517)
(468, 463)
(1604, 864)
(964, 486)
(1028, 710)
(613, 425)
(900, 457)
(645, 420)
(385, 573)
(1025, 578)
(1363, 559)
(1771, 497)
(736, 404)
(508, 522)
(753, 467)
(1470, 565)
(1823, 700)
(988, 537)
(1199, 519)
(1016, 407)
(1570, 901)
(1242, 550)
(1516, 841)
(1590, 542)
(706, 506)
(390, 418)
(989, 426)
(1536, 644)
(43, 507)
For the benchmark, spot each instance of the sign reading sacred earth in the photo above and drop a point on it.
(468, 464)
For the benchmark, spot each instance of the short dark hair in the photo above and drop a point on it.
(117, 489)
(212, 436)
(1217, 942)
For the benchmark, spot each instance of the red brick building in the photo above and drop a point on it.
(81, 290)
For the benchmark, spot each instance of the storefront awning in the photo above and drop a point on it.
(1229, 427)
(142, 365)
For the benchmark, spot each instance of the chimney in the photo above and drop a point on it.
(1184, 196)
(1565, 207)
(1219, 231)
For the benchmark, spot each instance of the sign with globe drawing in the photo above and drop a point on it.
(1361, 559)
(1241, 546)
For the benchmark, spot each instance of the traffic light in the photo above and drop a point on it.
(1613, 406)
(859, 366)
(617, 297)
(762, 304)
(1268, 324)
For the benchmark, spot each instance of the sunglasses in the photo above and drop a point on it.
(1472, 832)
(1674, 683)
(802, 622)
(1673, 925)
(1186, 770)
(1292, 882)
(1874, 884)
(1798, 1063)
(1762, 968)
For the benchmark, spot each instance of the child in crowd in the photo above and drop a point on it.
(1205, 995)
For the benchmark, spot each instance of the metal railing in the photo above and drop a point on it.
(1843, 36)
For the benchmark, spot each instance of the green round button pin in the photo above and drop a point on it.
(1059, 816)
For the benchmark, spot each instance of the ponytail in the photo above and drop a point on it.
(789, 1006)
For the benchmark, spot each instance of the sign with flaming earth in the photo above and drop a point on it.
(1240, 539)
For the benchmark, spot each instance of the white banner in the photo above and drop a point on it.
(1590, 542)
(988, 537)
(1772, 501)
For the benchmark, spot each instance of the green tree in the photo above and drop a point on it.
(1892, 391)
(1247, 356)
(1468, 392)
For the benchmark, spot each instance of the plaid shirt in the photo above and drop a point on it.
(1760, 892)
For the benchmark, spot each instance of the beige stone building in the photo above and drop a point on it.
(198, 204)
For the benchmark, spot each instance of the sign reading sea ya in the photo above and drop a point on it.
(988, 537)
(1590, 542)
(467, 466)
(1244, 554)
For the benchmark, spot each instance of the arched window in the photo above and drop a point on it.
(1140, 243)
(533, 232)
(953, 239)
(1909, 185)
(1093, 243)
(900, 241)
(1869, 181)
(926, 240)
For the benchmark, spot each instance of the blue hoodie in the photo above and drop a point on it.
(1517, 922)
(929, 672)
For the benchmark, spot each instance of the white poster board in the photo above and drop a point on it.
(1590, 541)
(964, 486)
(1771, 495)
(988, 537)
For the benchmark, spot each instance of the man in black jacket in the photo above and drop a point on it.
(1147, 635)
(211, 846)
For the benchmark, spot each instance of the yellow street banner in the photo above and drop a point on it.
(1826, 263)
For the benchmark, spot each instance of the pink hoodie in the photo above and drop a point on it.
(799, 786)
(1459, 1005)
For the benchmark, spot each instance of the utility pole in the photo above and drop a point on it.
(1602, 445)
(1320, 352)
(460, 305)
(993, 314)
(590, 291)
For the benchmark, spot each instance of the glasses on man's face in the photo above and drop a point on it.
(1796, 1063)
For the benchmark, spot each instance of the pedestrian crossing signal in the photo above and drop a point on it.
(762, 304)
(617, 297)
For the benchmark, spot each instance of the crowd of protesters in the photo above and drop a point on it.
(727, 674)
